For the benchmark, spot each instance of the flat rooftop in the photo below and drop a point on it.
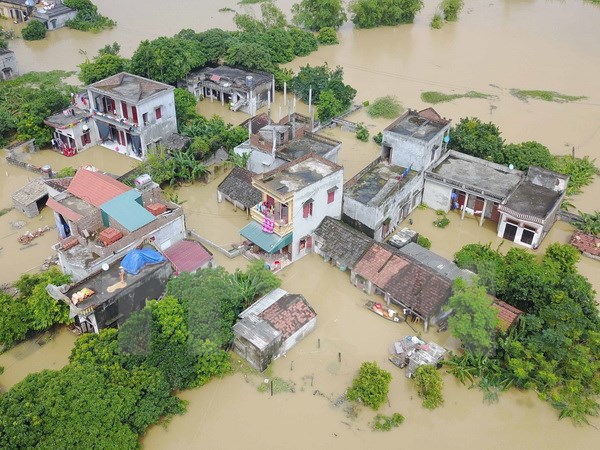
(377, 183)
(478, 174)
(298, 174)
(532, 200)
(60, 120)
(309, 143)
(236, 77)
(77, 205)
(422, 125)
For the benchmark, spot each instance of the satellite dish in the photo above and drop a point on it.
(105, 267)
(85, 128)
(511, 167)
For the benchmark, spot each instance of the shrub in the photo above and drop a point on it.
(590, 223)
(424, 242)
(88, 18)
(451, 9)
(371, 386)
(436, 21)
(34, 31)
(373, 13)
(387, 107)
(581, 171)
(362, 134)
(429, 386)
(378, 138)
(65, 172)
(386, 423)
(327, 36)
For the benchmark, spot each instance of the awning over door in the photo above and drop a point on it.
(269, 242)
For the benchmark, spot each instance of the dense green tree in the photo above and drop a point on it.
(88, 18)
(213, 43)
(167, 59)
(34, 31)
(473, 137)
(564, 256)
(525, 154)
(327, 36)
(317, 14)
(249, 55)
(487, 263)
(374, 13)
(185, 107)
(371, 386)
(304, 41)
(329, 106)
(429, 386)
(101, 67)
(272, 16)
(256, 281)
(475, 320)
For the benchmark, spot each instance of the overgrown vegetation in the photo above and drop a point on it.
(429, 386)
(451, 9)
(371, 386)
(376, 13)
(388, 107)
(34, 31)
(439, 97)
(590, 223)
(442, 221)
(423, 241)
(386, 423)
(555, 348)
(32, 309)
(362, 133)
(27, 100)
(547, 96)
(88, 18)
(436, 23)
(317, 14)
(65, 172)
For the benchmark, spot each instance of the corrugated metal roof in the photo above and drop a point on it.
(63, 210)
(127, 211)
(95, 188)
(187, 256)
(269, 242)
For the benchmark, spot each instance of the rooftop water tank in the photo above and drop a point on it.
(249, 81)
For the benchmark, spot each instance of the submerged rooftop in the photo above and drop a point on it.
(377, 182)
(227, 76)
(309, 143)
(132, 88)
(422, 125)
(532, 200)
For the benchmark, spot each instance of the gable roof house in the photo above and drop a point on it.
(529, 212)
(54, 14)
(99, 219)
(340, 243)
(272, 144)
(272, 326)
(237, 188)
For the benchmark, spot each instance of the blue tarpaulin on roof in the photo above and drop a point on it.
(136, 259)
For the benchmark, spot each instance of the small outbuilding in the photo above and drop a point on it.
(272, 326)
(340, 243)
(189, 256)
(237, 188)
(31, 198)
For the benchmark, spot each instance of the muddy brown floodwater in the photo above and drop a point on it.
(494, 47)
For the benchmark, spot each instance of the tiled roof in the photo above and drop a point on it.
(506, 313)
(60, 184)
(289, 314)
(238, 186)
(586, 243)
(187, 256)
(379, 265)
(95, 188)
(132, 88)
(31, 192)
(341, 242)
(419, 288)
(434, 261)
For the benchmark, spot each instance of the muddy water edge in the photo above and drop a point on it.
(493, 48)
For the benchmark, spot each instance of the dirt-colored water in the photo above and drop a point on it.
(494, 47)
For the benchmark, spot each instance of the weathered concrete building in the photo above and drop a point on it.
(53, 14)
(132, 114)
(471, 185)
(8, 64)
(237, 188)
(273, 144)
(74, 130)
(296, 197)
(241, 89)
(99, 219)
(17, 10)
(529, 212)
(272, 326)
(31, 198)
(379, 197)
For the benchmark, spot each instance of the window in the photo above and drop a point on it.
(85, 138)
(134, 115)
(124, 108)
(145, 118)
(305, 243)
(527, 237)
(331, 195)
(307, 209)
(158, 113)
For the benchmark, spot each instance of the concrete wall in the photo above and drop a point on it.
(53, 23)
(318, 193)
(8, 66)
(295, 338)
(76, 133)
(436, 195)
(407, 150)
(256, 358)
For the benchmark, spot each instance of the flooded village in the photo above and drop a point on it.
(334, 218)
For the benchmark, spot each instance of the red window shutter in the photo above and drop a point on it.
(305, 210)
(134, 114)
(330, 196)
(112, 106)
(124, 108)
(158, 113)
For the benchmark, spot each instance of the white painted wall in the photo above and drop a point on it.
(407, 150)
(537, 238)
(436, 195)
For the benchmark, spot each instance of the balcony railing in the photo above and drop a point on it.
(282, 226)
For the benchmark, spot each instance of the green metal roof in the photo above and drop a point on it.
(269, 242)
(127, 210)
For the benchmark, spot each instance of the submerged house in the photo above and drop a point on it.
(241, 89)
(31, 198)
(53, 14)
(529, 212)
(73, 130)
(237, 188)
(272, 326)
(99, 219)
(295, 198)
(470, 185)
(8, 64)
(17, 10)
(273, 144)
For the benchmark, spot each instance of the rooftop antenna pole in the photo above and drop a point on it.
(269, 105)
(310, 101)
(285, 92)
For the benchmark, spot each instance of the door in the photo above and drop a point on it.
(122, 140)
(461, 200)
(510, 231)
(479, 202)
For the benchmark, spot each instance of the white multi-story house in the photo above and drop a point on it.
(296, 197)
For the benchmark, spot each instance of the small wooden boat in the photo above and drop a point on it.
(386, 313)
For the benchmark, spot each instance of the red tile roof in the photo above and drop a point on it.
(506, 313)
(63, 210)
(288, 314)
(586, 243)
(379, 265)
(432, 114)
(187, 256)
(95, 188)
